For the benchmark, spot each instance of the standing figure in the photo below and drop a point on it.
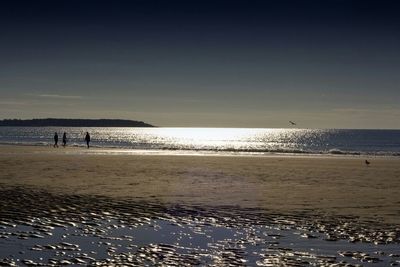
(64, 139)
(87, 139)
(55, 140)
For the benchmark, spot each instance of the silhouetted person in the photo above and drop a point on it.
(87, 139)
(64, 139)
(55, 140)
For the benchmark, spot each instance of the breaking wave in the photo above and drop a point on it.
(250, 151)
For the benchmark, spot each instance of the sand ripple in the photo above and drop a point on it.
(38, 228)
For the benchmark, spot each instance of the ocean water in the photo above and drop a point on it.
(219, 140)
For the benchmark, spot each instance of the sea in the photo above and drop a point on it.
(244, 141)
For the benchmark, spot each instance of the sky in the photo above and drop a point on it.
(200, 63)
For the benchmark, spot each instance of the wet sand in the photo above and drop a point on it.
(40, 228)
(97, 207)
(332, 185)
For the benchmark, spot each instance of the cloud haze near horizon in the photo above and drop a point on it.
(323, 64)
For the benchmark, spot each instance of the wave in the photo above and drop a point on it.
(50, 144)
(335, 151)
(249, 151)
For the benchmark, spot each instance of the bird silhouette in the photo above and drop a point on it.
(367, 162)
(292, 123)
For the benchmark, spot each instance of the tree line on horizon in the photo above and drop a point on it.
(74, 123)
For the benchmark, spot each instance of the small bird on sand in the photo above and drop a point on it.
(292, 123)
(367, 162)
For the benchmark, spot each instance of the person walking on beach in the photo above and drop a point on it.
(64, 139)
(55, 140)
(87, 139)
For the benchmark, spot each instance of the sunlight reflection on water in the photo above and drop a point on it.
(333, 141)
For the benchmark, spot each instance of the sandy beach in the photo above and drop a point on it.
(103, 207)
(333, 185)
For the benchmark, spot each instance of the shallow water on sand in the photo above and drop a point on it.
(39, 228)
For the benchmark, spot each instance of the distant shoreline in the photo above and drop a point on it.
(73, 123)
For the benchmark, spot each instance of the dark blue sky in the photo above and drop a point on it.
(203, 63)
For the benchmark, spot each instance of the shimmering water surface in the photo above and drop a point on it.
(82, 230)
(229, 140)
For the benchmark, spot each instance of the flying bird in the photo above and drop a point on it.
(292, 123)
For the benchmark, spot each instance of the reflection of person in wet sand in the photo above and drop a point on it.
(55, 140)
(64, 140)
(87, 139)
